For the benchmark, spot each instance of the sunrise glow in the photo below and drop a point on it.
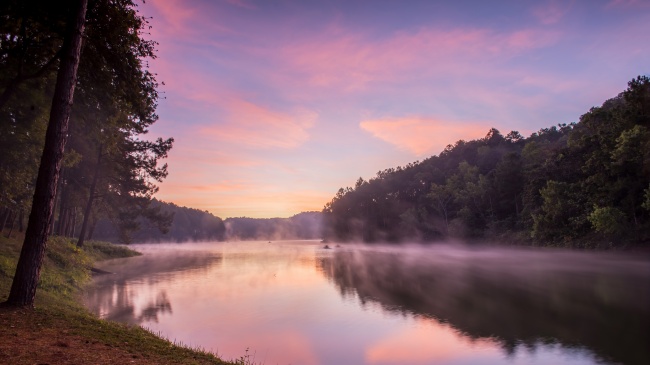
(275, 106)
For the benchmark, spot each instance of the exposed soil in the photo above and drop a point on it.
(29, 338)
(33, 337)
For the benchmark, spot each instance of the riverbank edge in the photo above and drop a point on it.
(60, 330)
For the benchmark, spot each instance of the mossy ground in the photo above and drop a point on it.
(59, 330)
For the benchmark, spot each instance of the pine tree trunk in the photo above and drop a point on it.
(68, 222)
(93, 224)
(73, 226)
(5, 216)
(21, 225)
(91, 195)
(64, 223)
(63, 227)
(12, 223)
(57, 202)
(63, 205)
(28, 271)
(9, 220)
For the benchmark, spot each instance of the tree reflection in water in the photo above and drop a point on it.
(114, 298)
(160, 305)
(520, 297)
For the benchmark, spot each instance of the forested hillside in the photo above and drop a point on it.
(306, 225)
(187, 225)
(579, 184)
(193, 225)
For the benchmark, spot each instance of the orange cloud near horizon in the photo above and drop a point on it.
(241, 199)
(422, 135)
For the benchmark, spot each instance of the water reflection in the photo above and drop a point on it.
(119, 296)
(296, 303)
(519, 298)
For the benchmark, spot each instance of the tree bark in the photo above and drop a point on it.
(60, 224)
(63, 224)
(21, 225)
(63, 202)
(73, 226)
(57, 202)
(91, 196)
(28, 271)
(12, 224)
(93, 224)
(5, 216)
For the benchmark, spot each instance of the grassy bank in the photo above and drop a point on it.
(61, 331)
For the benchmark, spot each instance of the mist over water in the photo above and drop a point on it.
(516, 297)
(294, 302)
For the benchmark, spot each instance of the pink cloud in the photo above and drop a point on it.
(421, 135)
(202, 153)
(242, 4)
(224, 186)
(628, 4)
(256, 126)
(184, 22)
(552, 11)
(176, 14)
(352, 62)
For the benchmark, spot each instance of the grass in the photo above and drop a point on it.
(61, 331)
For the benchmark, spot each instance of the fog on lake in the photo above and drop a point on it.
(295, 302)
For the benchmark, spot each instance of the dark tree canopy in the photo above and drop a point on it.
(108, 168)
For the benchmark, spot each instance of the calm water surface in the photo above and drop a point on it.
(294, 302)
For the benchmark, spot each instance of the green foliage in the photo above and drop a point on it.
(66, 267)
(560, 215)
(646, 202)
(544, 187)
(607, 220)
(98, 250)
(9, 249)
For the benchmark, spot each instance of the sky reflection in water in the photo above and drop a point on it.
(296, 303)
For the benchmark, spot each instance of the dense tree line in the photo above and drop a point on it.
(575, 184)
(194, 225)
(109, 170)
(305, 225)
(188, 224)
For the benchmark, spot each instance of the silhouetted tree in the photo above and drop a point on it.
(23, 289)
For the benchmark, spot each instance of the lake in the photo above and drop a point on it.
(294, 302)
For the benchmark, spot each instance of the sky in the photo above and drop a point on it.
(275, 105)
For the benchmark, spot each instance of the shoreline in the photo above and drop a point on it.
(60, 330)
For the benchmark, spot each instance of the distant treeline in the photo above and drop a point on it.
(306, 225)
(188, 224)
(579, 184)
(194, 225)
